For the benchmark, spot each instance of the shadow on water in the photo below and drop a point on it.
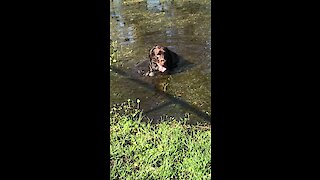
(184, 27)
(172, 99)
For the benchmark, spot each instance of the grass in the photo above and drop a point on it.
(113, 52)
(169, 150)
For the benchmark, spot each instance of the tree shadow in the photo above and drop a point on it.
(149, 83)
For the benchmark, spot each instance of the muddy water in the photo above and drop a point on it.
(184, 27)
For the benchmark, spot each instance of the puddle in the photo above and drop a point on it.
(185, 28)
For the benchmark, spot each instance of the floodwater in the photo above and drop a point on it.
(185, 28)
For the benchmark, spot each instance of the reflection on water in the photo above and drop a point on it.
(154, 5)
(183, 26)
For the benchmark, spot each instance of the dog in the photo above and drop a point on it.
(162, 59)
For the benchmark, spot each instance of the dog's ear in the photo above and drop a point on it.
(151, 53)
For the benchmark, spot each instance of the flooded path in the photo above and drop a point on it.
(184, 27)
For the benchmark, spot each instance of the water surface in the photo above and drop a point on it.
(183, 26)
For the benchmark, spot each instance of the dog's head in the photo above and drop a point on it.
(157, 55)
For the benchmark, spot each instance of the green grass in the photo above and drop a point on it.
(169, 150)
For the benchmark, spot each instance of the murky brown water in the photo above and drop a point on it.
(183, 26)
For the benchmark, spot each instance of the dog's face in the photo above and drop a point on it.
(160, 55)
(157, 55)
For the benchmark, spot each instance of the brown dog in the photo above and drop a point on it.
(162, 59)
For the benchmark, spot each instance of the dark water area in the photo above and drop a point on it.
(185, 28)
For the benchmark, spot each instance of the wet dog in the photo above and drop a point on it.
(162, 59)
